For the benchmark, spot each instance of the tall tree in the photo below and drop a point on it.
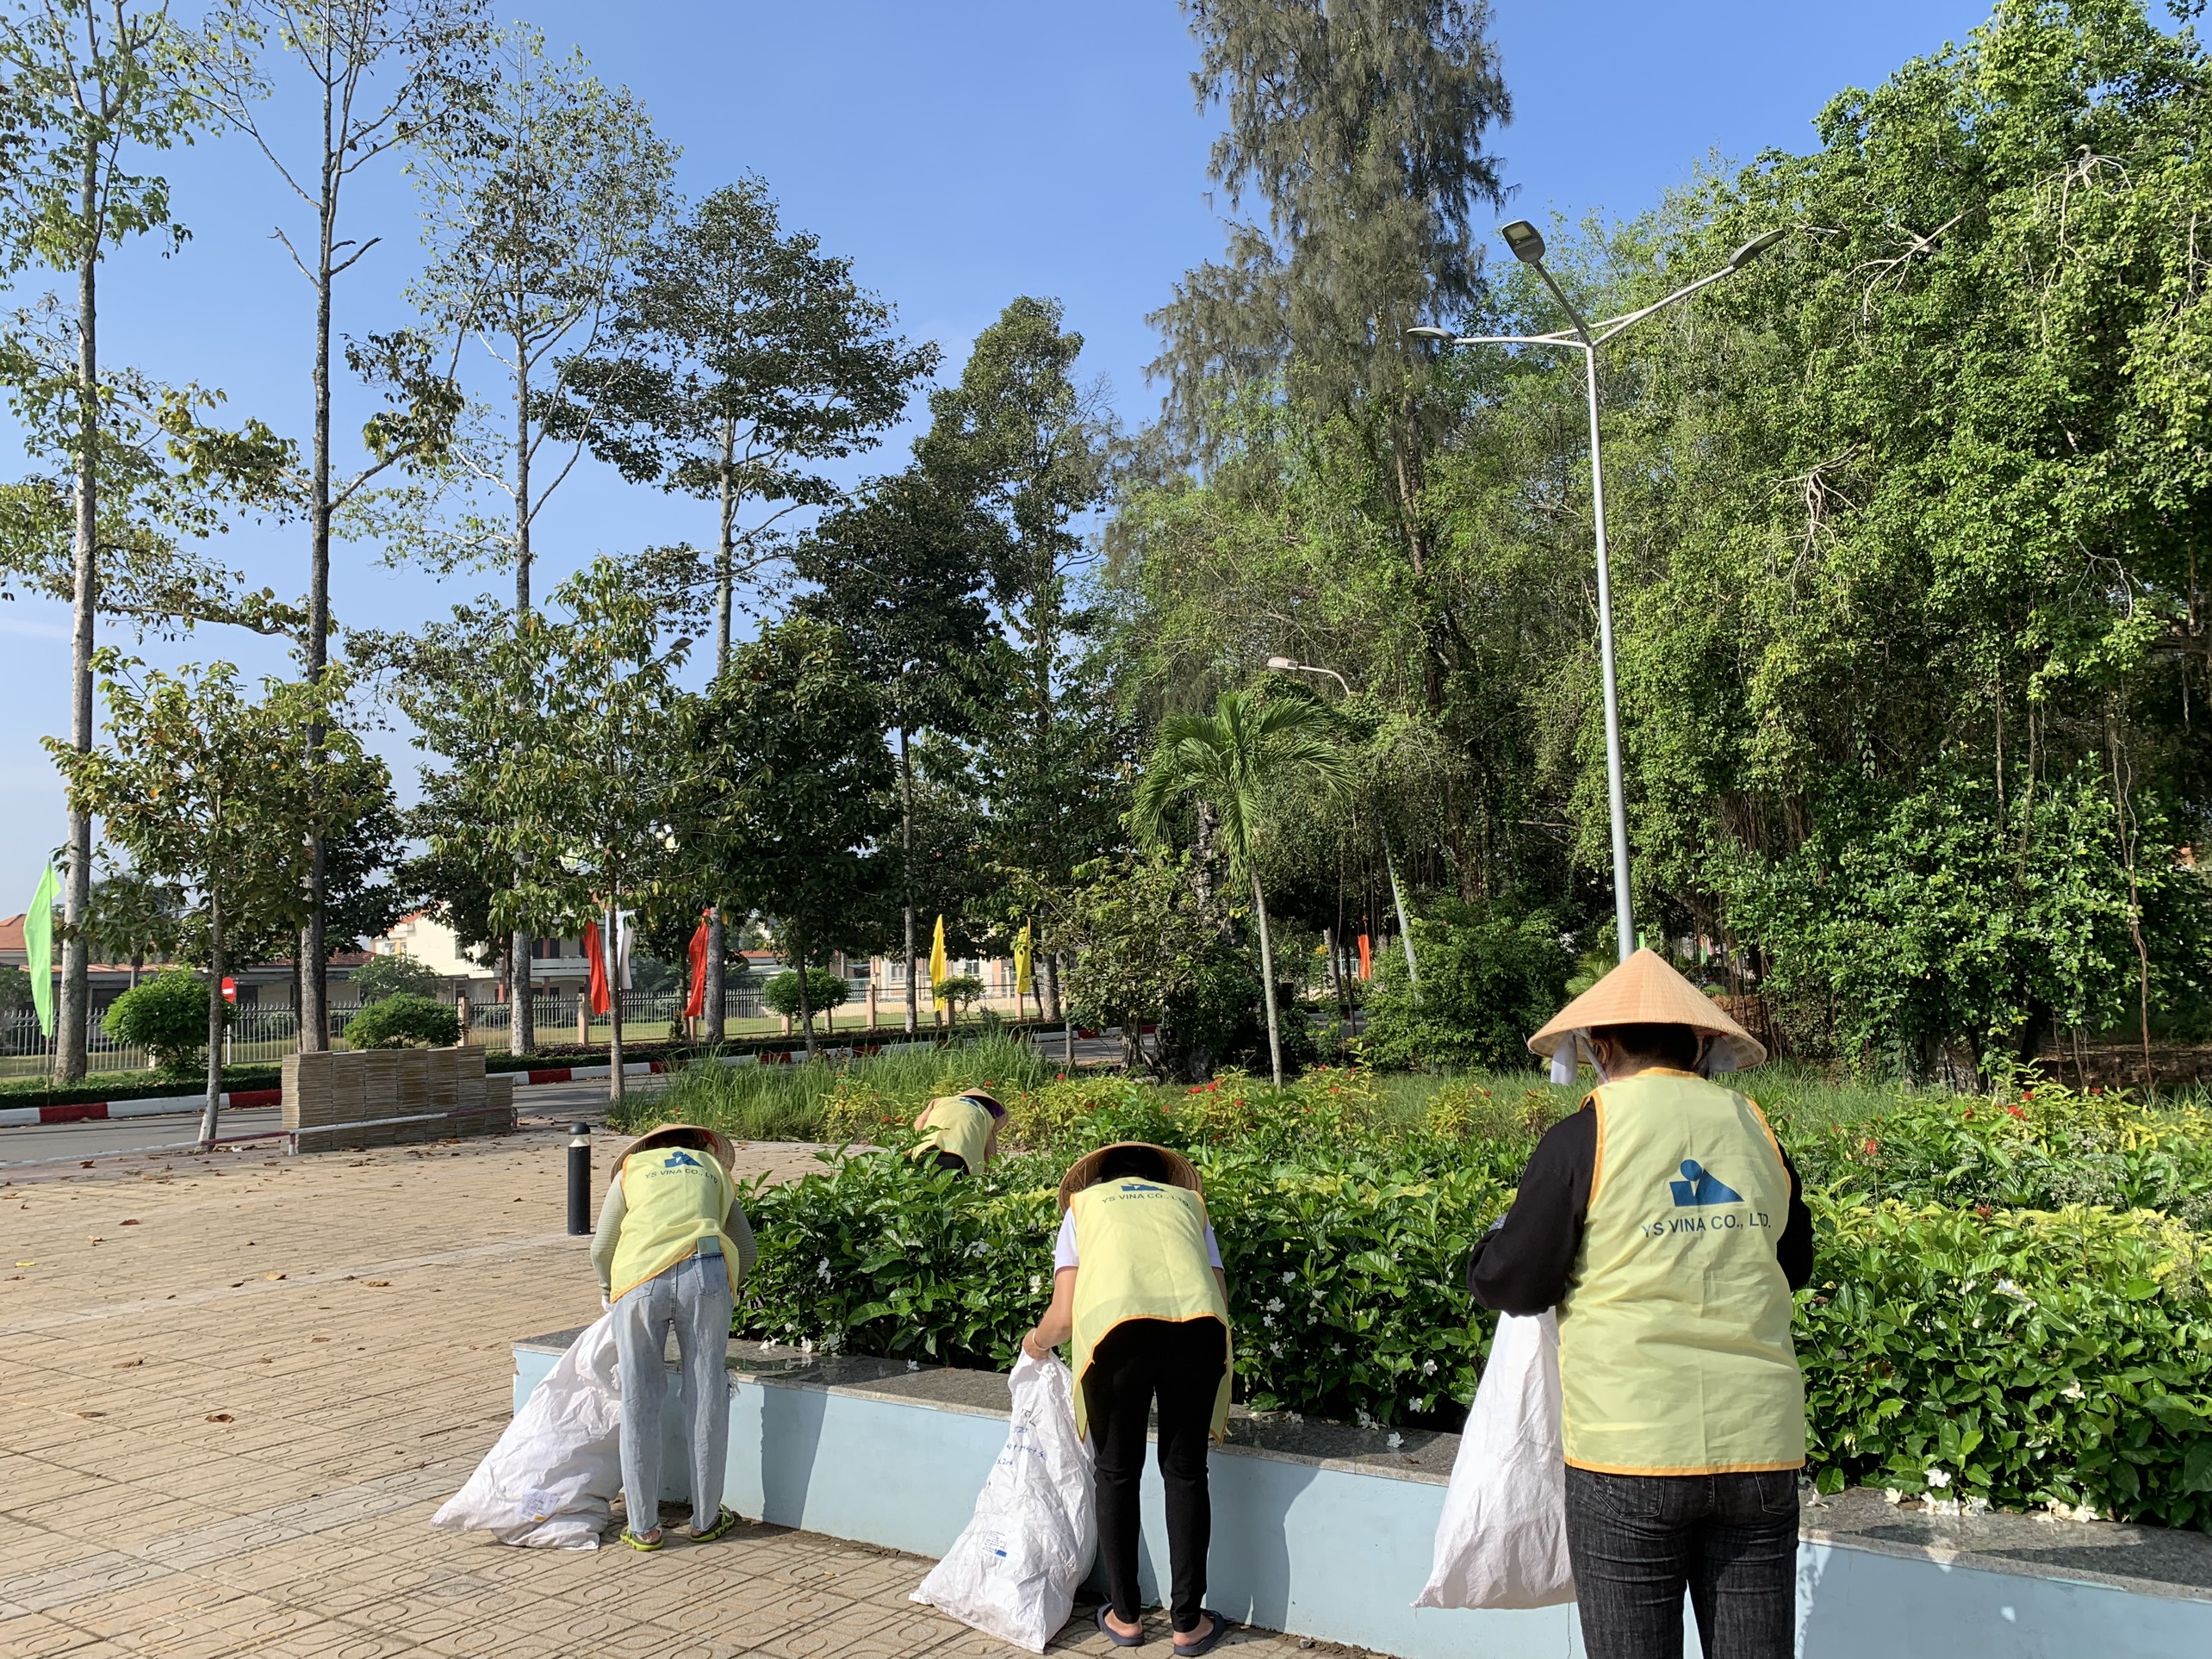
(1018, 436)
(532, 221)
(375, 74)
(208, 787)
(1241, 760)
(901, 573)
(744, 357)
(95, 87)
(787, 792)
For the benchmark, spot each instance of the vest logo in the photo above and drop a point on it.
(1698, 1187)
(683, 1160)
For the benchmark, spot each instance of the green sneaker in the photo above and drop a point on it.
(646, 1544)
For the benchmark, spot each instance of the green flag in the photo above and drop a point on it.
(38, 950)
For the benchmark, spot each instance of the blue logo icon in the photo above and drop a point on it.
(1697, 1187)
(681, 1160)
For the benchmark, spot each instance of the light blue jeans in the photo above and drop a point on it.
(692, 1297)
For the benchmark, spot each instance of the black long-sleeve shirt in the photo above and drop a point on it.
(1522, 1265)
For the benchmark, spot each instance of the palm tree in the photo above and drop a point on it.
(1236, 759)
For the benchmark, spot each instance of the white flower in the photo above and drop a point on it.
(1395, 1440)
(1267, 1320)
(806, 1345)
(1938, 1478)
(1275, 1304)
(1428, 1368)
(1037, 1282)
(1290, 1278)
(2006, 1288)
(913, 1364)
(2071, 1391)
(822, 1270)
(1891, 1494)
(1360, 1416)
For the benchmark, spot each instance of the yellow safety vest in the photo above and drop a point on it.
(1140, 1253)
(672, 1198)
(1674, 1350)
(957, 1125)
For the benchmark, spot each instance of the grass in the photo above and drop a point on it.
(787, 1102)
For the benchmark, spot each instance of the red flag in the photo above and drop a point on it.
(1366, 960)
(597, 958)
(695, 1004)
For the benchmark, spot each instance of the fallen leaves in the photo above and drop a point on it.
(132, 1222)
(125, 1364)
(377, 1285)
(220, 1416)
(272, 1276)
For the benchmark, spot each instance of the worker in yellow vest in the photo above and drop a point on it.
(672, 1245)
(1666, 1224)
(1138, 1286)
(959, 1132)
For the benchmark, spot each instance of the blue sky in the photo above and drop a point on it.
(961, 154)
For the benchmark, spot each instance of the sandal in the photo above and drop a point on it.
(1212, 1639)
(1115, 1636)
(720, 1528)
(647, 1545)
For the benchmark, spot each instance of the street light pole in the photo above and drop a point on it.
(1284, 665)
(1527, 245)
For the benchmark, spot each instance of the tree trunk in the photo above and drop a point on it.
(610, 940)
(213, 1110)
(314, 949)
(1267, 979)
(72, 1029)
(711, 1006)
(522, 1024)
(805, 1001)
(906, 871)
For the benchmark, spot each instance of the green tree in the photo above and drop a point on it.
(784, 994)
(375, 74)
(1239, 760)
(1019, 438)
(95, 87)
(743, 358)
(394, 976)
(208, 787)
(1488, 980)
(132, 918)
(167, 1017)
(533, 217)
(787, 793)
(900, 572)
(569, 731)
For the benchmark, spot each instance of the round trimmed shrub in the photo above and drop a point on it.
(405, 1020)
(824, 990)
(167, 1017)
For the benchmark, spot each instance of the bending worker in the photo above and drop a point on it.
(672, 1248)
(1665, 1223)
(1137, 1283)
(961, 1130)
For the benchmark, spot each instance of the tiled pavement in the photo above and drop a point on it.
(233, 1389)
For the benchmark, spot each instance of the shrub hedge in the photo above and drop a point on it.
(2008, 1304)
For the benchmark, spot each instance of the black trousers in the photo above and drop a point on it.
(1636, 1541)
(1179, 1365)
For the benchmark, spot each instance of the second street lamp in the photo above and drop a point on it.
(1527, 245)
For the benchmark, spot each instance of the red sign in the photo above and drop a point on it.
(230, 989)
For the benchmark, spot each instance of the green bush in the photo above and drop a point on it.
(1486, 982)
(167, 1017)
(1952, 1345)
(404, 1021)
(959, 991)
(394, 976)
(824, 990)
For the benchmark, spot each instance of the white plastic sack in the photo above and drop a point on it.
(551, 1480)
(1502, 1542)
(1013, 1571)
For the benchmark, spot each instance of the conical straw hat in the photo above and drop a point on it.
(1083, 1172)
(1645, 991)
(718, 1143)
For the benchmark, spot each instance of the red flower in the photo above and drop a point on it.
(2027, 1093)
(1873, 1146)
(1970, 1111)
(2016, 1111)
(1984, 1211)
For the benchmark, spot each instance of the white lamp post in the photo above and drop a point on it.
(1527, 245)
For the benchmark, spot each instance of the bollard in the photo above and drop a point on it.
(580, 1179)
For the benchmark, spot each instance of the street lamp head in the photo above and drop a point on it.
(1430, 332)
(1524, 239)
(1280, 664)
(1757, 245)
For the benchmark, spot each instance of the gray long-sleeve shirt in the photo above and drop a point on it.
(735, 1226)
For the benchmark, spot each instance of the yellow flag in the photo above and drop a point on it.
(937, 962)
(1023, 983)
